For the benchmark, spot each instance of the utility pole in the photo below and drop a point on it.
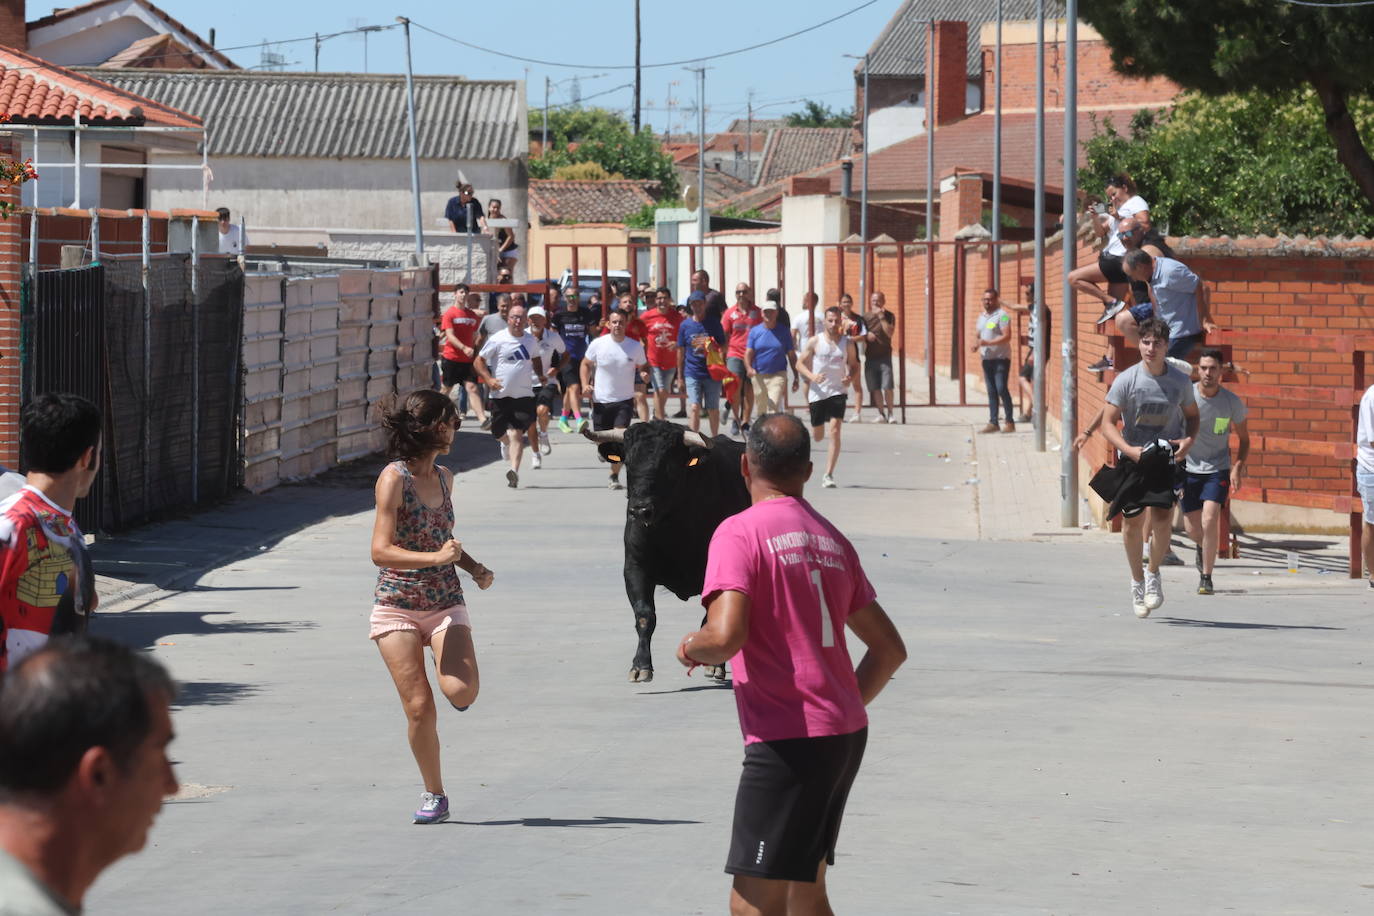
(637, 71)
(1068, 323)
(997, 156)
(703, 220)
(317, 52)
(749, 156)
(1041, 354)
(863, 203)
(415, 156)
(544, 141)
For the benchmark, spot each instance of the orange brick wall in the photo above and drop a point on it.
(1098, 84)
(9, 327)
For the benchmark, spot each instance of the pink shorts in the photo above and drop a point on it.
(390, 619)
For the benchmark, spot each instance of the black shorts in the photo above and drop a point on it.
(790, 803)
(550, 396)
(453, 372)
(1110, 265)
(570, 372)
(612, 415)
(827, 409)
(1028, 369)
(511, 413)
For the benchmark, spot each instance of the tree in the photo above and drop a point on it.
(1244, 164)
(814, 114)
(1225, 46)
(605, 138)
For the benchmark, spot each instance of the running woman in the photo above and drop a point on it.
(419, 600)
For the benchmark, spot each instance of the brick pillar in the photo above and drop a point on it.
(961, 203)
(14, 32)
(9, 325)
(950, 71)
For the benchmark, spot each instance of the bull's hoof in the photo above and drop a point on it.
(641, 675)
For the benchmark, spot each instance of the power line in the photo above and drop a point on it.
(1328, 6)
(670, 63)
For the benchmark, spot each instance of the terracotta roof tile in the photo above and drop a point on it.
(33, 91)
(791, 150)
(589, 201)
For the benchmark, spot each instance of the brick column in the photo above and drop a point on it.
(950, 70)
(961, 202)
(9, 325)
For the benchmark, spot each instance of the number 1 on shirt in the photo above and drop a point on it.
(827, 628)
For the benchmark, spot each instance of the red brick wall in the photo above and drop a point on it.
(14, 32)
(950, 83)
(9, 327)
(121, 232)
(1098, 84)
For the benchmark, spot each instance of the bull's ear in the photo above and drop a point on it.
(611, 451)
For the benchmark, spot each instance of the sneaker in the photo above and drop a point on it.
(1138, 599)
(892, 418)
(486, 422)
(857, 418)
(544, 445)
(990, 428)
(433, 809)
(1204, 585)
(828, 482)
(1024, 418)
(512, 479)
(744, 427)
(563, 425)
(1111, 310)
(734, 427)
(1102, 365)
(536, 459)
(879, 419)
(1008, 427)
(681, 414)
(1154, 592)
(1371, 584)
(614, 484)
(1172, 559)
(580, 423)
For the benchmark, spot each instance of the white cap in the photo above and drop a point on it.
(769, 306)
(537, 310)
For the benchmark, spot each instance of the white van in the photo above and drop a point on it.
(590, 281)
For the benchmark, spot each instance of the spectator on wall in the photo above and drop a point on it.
(464, 211)
(232, 239)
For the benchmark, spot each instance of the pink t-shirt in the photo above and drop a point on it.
(794, 677)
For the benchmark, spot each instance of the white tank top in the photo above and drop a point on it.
(829, 363)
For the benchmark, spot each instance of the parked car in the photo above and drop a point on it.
(590, 281)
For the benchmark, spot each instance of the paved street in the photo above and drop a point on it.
(1043, 752)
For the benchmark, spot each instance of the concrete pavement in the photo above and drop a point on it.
(1042, 752)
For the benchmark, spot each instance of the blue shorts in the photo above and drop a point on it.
(663, 378)
(1209, 488)
(1364, 480)
(703, 391)
(1141, 312)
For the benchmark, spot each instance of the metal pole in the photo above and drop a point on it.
(205, 170)
(544, 138)
(147, 392)
(863, 199)
(76, 150)
(195, 359)
(95, 235)
(930, 215)
(703, 221)
(1068, 323)
(1038, 408)
(317, 52)
(637, 70)
(415, 158)
(996, 259)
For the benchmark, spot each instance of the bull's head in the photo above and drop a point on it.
(659, 458)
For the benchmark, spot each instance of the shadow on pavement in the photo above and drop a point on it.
(726, 684)
(212, 693)
(616, 823)
(143, 631)
(1233, 625)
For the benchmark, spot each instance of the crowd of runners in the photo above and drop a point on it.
(522, 367)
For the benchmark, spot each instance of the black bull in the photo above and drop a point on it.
(681, 486)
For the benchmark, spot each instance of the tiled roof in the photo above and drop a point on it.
(161, 51)
(589, 201)
(761, 125)
(790, 150)
(33, 91)
(900, 49)
(719, 185)
(341, 115)
(202, 46)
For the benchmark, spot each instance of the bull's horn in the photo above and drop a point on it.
(697, 439)
(605, 435)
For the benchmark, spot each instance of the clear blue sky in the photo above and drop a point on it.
(599, 32)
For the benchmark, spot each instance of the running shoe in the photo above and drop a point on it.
(563, 424)
(1204, 585)
(433, 809)
(892, 418)
(614, 484)
(857, 418)
(580, 423)
(734, 427)
(744, 427)
(1138, 599)
(536, 459)
(879, 419)
(828, 482)
(1172, 559)
(544, 445)
(486, 422)
(512, 479)
(1154, 591)
(1102, 365)
(1111, 310)
(1024, 418)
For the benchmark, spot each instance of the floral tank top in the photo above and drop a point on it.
(420, 528)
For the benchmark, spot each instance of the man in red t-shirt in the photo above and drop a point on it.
(738, 320)
(661, 323)
(782, 584)
(459, 326)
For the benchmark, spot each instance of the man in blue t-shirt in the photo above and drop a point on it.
(464, 210)
(576, 324)
(693, 339)
(715, 301)
(766, 357)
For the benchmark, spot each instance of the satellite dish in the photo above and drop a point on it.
(690, 198)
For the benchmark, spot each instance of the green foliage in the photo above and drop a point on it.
(584, 171)
(814, 114)
(733, 212)
(1246, 164)
(605, 138)
(643, 218)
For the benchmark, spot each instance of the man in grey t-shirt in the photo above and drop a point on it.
(1152, 400)
(1211, 474)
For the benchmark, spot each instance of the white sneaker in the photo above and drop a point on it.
(544, 443)
(537, 460)
(1138, 599)
(1154, 591)
(892, 418)
(878, 419)
(857, 418)
(828, 481)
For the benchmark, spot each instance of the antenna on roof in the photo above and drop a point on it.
(271, 59)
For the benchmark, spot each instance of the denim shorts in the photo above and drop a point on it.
(1365, 481)
(663, 378)
(703, 391)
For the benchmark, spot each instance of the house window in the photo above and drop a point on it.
(123, 189)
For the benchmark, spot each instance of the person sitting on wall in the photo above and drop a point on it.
(232, 239)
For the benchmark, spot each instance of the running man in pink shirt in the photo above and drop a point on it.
(782, 584)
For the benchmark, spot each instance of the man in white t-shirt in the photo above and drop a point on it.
(1364, 477)
(616, 361)
(547, 393)
(231, 238)
(507, 364)
(830, 362)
